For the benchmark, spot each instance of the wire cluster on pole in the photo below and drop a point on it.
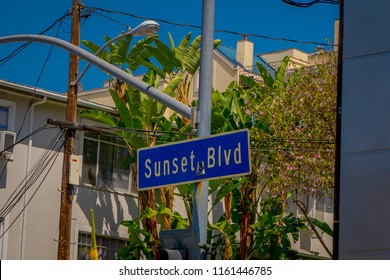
(16, 143)
(38, 172)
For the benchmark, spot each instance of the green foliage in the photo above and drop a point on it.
(322, 226)
(101, 116)
(300, 141)
(291, 122)
(280, 74)
(228, 186)
(141, 241)
(272, 231)
(122, 54)
(177, 63)
(229, 241)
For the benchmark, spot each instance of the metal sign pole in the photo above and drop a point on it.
(204, 114)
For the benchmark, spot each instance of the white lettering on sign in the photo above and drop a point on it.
(221, 156)
(168, 167)
(217, 156)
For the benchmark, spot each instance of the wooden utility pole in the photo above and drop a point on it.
(67, 189)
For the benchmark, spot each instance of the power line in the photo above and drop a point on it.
(86, 14)
(311, 3)
(36, 84)
(46, 162)
(142, 133)
(17, 142)
(200, 27)
(137, 130)
(4, 60)
(111, 19)
(304, 140)
(53, 159)
(16, 52)
(32, 176)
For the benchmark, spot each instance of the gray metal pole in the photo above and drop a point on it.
(204, 114)
(160, 96)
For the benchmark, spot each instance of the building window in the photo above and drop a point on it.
(102, 162)
(108, 247)
(7, 115)
(4, 113)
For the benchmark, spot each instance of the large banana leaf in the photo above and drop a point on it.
(149, 109)
(164, 55)
(239, 108)
(182, 47)
(119, 52)
(150, 65)
(172, 86)
(191, 58)
(268, 80)
(100, 116)
(250, 83)
(227, 188)
(281, 72)
(228, 231)
(133, 97)
(94, 48)
(122, 109)
(138, 53)
(322, 226)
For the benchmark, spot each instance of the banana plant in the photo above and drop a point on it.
(140, 240)
(176, 66)
(173, 67)
(122, 53)
(232, 111)
(272, 229)
(229, 113)
(177, 61)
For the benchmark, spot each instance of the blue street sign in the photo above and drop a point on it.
(217, 156)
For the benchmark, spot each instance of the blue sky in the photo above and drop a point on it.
(271, 18)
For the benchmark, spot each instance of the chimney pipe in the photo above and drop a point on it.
(244, 52)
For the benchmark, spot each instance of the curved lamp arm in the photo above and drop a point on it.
(156, 94)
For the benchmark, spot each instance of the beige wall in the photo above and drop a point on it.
(224, 74)
(297, 58)
(100, 96)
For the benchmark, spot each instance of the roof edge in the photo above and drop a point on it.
(54, 96)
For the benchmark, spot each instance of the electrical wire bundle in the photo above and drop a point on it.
(311, 3)
(38, 172)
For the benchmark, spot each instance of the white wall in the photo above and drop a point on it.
(41, 215)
